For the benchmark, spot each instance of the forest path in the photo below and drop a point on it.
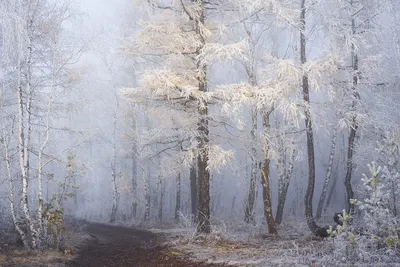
(120, 246)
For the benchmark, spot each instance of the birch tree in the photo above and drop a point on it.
(354, 30)
(37, 59)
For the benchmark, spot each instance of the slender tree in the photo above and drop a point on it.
(328, 175)
(309, 131)
(265, 178)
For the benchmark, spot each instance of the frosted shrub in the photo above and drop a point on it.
(379, 241)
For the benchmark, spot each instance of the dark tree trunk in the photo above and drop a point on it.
(178, 197)
(349, 170)
(147, 199)
(203, 214)
(318, 231)
(354, 123)
(265, 179)
(193, 190)
(161, 203)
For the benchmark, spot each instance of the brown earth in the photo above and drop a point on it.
(122, 247)
(100, 245)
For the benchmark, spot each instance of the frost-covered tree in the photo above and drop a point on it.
(378, 240)
(179, 42)
(354, 28)
(34, 62)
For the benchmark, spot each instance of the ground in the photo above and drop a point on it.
(244, 245)
(123, 247)
(102, 245)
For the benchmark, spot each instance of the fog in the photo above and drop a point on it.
(112, 113)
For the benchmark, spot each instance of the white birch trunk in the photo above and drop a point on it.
(328, 175)
(11, 188)
(40, 216)
(250, 206)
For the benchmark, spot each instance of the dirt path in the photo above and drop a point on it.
(118, 246)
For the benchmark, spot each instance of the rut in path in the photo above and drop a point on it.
(122, 247)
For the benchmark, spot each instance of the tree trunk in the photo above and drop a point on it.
(19, 230)
(309, 130)
(115, 195)
(147, 197)
(354, 123)
(161, 203)
(284, 186)
(203, 214)
(114, 171)
(178, 197)
(330, 194)
(265, 179)
(24, 132)
(328, 175)
(193, 190)
(249, 212)
(134, 172)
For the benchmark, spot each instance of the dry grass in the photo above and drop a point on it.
(18, 257)
(12, 256)
(240, 246)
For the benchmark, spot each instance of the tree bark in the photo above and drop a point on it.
(113, 169)
(24, 132)
(134, 171)
(203, 214)
(265, 178)
(178, 197)
(354, 123)
(161, 203)
(328, 175)
(147, 197)
(284, 186)
(193, 190)
(318, 231)
(18, 228)
(115, 195)
(249, 212)
(252, 77)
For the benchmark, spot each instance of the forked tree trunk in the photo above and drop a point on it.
(328, 175)
(309, 132)
(265, 178)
